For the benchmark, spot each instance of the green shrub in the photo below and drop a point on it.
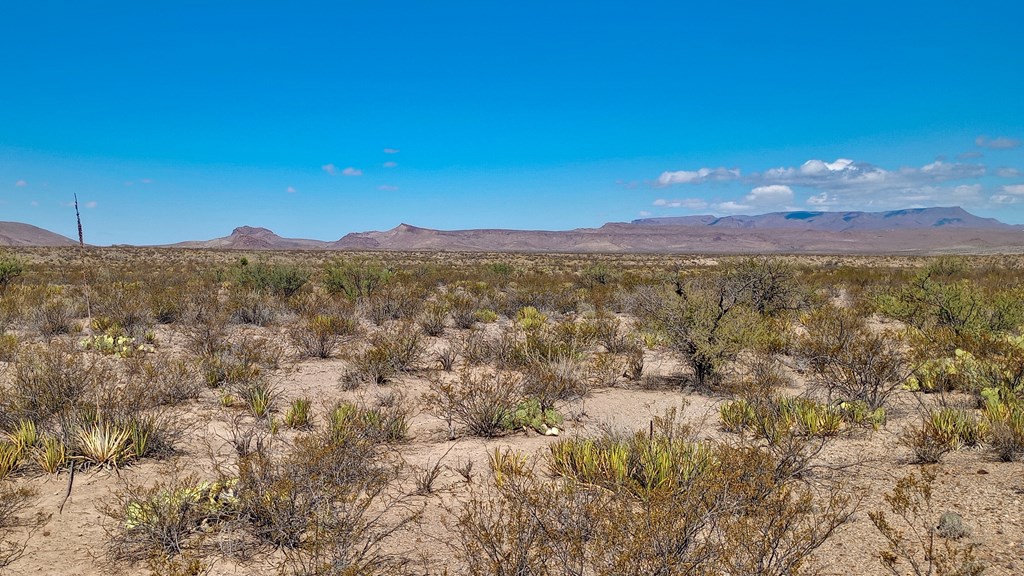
(355, 279)
(10, 268)
(275, 279)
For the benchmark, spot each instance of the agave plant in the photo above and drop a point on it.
(24, 436)
(50, 454)
(10, 459)
(104, 444)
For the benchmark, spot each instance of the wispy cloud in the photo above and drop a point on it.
(21, 183)
(387, 188)
(1015, 189)
(840, 184)
(330, 169)
(1007, 172)
(291, 190)
(391, 150)
(90, 204)
(999, 143)
(390, 164)
(698, 176)
(350, 171)
(847, 175)
(687, 203)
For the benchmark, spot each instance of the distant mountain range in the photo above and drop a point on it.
(915, 218)
(914, 231)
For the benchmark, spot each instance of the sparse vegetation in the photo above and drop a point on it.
(193, 388)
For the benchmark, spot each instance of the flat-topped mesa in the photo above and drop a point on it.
(908, 219)
(254, 231)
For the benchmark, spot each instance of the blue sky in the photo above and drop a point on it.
(175, 121)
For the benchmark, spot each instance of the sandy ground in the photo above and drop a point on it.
(987, 493)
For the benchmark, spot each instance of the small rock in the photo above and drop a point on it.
(551, 432)
(982, 471)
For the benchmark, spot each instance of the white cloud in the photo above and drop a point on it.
(688, 203)
(146, 180)
(848, 184)
(21, 183)
(821, 200)
(999, 143)
(34, 203)
(820, 167)
(731, 206)
(391, 150)
(773, 194)
(330, 169)
(644, 213)
(350, 171)
(966, 192)
(1003, 199)
(387, 188)
(290, 190)
(697, 176)
(390, 164)
(862, 181)
(90, 204)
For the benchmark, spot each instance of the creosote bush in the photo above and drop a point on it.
(483, 404)
(644, 504)
(914, 544)
(849, 361)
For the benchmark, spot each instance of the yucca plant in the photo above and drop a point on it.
(10, 459)
(1004, 425)
(298, 414)
(816, 420)
(640, 464)
(955, 427)
(736, 416)
(104, 444)
(859, 413)
(50, 454)
(507, 464)
(259, 397)
(24, 436)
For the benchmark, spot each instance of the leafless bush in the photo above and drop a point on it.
(432, 318)
(849, 361)
(55, 315)
(392, 350)
(483, 404)
(14, 502)
(124, 303)
(393, 302)
(49, 379)
(552, 381)
(318, 336)
(252, 307)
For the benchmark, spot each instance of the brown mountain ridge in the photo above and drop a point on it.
(911, 231)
